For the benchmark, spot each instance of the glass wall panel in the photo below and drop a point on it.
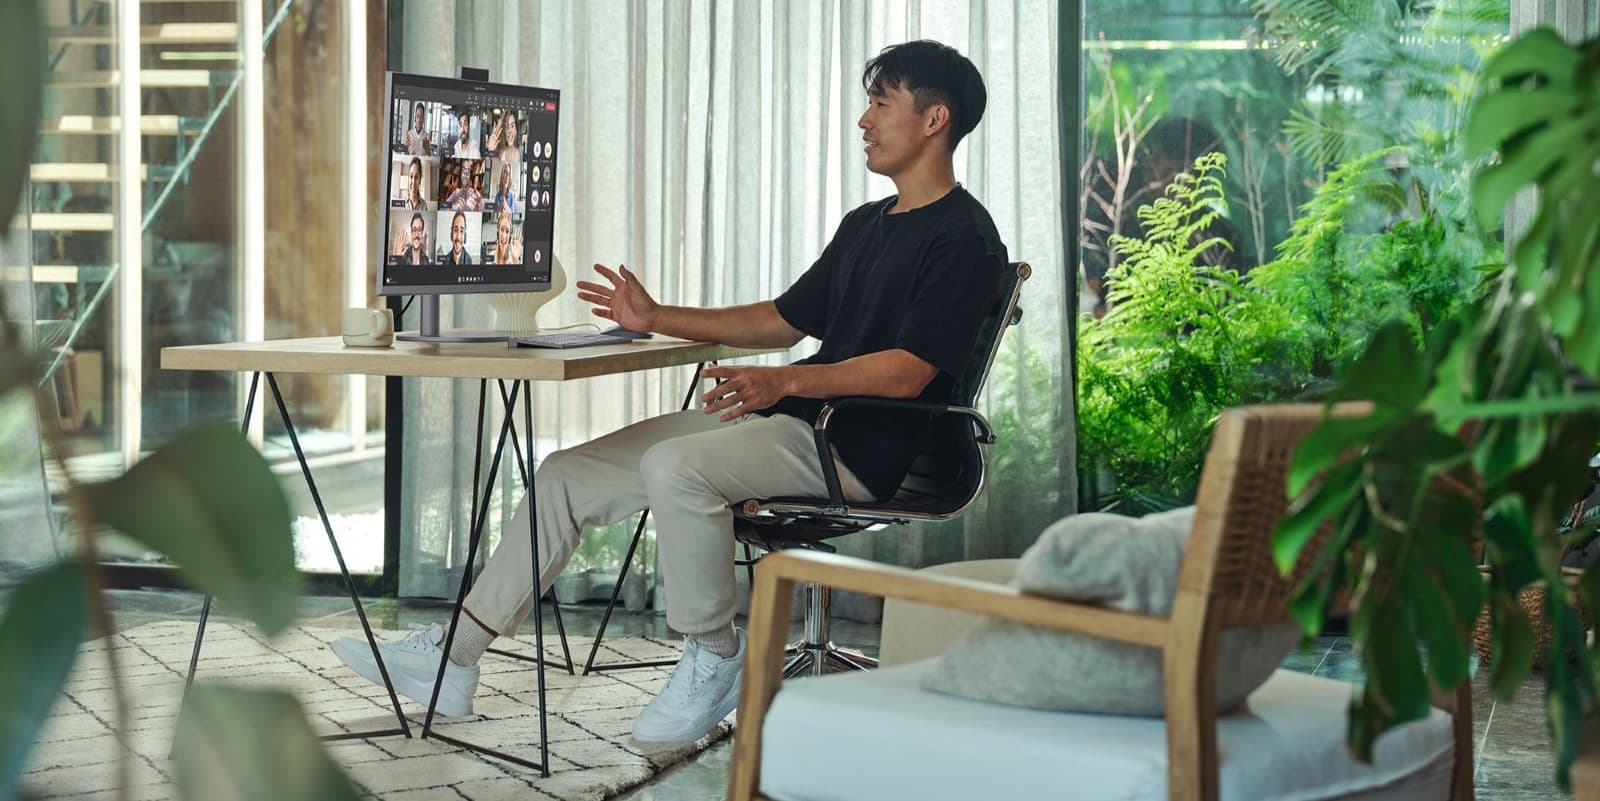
(1263, 185)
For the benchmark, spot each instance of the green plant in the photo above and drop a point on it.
(1162, 362)
(207, 500)
(1487, 427)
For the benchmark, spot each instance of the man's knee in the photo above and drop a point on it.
(666, 465)
(557, 467)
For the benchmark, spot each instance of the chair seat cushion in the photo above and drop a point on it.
(880, 734)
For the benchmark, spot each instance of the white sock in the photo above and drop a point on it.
(723, 642)
(470, 642)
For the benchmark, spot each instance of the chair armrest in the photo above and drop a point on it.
(950, 592)
(830, 474)
(768, 627)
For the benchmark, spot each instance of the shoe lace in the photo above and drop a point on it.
(423, 638)
(692, 672)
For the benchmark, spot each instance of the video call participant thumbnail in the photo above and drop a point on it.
(464, 145)
(461, 185)
(413, 238)
(503, 237)
(507, 188)
(413, 179)
(465, 237)
(506, 137)
(416, 140)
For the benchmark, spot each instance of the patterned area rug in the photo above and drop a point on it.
(592, 755)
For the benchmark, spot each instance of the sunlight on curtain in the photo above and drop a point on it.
(712, 147)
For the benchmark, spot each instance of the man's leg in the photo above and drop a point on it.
(595, 483)
(691, 482)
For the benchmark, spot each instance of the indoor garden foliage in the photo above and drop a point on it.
(1320, 196)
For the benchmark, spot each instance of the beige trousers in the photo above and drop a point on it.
(687, 467)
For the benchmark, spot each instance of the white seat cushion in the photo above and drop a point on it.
(879, 734)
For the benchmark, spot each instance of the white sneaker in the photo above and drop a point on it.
(413, 662)
(703, 689)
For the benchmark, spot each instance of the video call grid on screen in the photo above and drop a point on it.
(474, 204)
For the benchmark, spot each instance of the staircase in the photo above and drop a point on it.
(101, 343)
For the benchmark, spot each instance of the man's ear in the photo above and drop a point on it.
(936, 119)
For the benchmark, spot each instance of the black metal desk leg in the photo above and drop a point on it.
(555, 608)
(480, 518)
(622, 574)
(344, 571)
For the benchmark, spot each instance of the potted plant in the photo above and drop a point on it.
(1479, 437)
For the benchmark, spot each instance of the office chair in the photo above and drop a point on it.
(945, 479)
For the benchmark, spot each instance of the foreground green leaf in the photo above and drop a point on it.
(44, 623)
(238, 744)
(21, 100)
(209, 501)
(1323, 445)
(1338, 488)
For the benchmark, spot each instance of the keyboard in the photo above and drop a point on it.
(573, 339)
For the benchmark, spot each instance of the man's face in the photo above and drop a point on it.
(416, 117)
(418, 234)
(416, 179)
(466, 125)
(458, 232)
(893, 130)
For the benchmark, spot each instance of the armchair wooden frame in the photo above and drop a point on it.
(1227, 579)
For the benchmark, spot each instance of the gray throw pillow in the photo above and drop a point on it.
(1124, 563)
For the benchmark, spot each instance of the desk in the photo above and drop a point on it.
(483, 361)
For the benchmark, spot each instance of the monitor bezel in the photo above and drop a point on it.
(381, 246)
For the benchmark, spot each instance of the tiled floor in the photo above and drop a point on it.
(1512, 743)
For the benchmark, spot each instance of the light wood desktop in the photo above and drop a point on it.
(490, 360)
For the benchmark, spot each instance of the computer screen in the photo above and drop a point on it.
(470, 189)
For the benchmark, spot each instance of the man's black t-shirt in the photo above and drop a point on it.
(922, 281)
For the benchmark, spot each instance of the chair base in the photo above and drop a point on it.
(817, 659)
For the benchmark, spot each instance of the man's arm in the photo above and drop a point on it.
(885, 374)
(626, 303)
(753, 325)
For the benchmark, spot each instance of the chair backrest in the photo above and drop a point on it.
(1241, 499)
(948, 473)
(1004, 314)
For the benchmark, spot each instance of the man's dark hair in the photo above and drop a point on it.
(460, 215)
(932, 73)
(417, 218)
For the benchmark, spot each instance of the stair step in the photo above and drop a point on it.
(54, 273)
(148, 79)
(68, 221)
(78, 172)
(166, 33)
(149, 124)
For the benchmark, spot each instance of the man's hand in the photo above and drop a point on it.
(744, 389)
(625, 302)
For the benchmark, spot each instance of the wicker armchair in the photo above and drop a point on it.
(1228, 579)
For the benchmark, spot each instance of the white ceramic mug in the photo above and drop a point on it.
(367, 328)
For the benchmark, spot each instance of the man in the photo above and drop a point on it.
(415, 141)
(466, 147)
(458, 242)
(897, 298)
(416, 252)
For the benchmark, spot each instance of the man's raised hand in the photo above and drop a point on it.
(625, 302)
